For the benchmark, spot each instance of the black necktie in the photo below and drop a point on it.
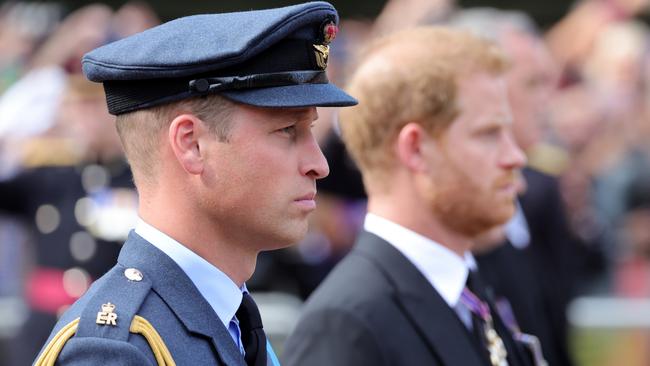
(252, 333)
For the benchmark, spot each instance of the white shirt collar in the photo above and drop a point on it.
(517, 230)
(217, 288)
(444, 269)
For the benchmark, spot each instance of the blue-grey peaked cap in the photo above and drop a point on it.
(265, 58)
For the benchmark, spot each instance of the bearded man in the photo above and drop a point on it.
(432, 136)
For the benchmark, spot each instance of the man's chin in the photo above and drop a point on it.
(494, 218)
(502, 216)
(287, 238)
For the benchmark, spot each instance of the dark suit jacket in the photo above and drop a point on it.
(376, 308)
(165, 297)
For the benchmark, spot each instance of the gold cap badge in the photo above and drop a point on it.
(322, 51)
(322, 55)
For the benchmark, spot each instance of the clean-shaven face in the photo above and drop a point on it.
(262, 180)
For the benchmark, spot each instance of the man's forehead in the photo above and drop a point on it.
(484, 97)
(304, 113)
(527, 50)
(481, 85)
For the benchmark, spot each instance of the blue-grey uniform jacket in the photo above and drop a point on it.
(144, 311)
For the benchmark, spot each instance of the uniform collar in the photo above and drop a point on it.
(444, 270)
(216, 287)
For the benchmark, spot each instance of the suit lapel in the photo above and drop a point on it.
(180, 294)
(427, 311)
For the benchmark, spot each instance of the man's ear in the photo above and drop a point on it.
(411, 147)
(184, 133)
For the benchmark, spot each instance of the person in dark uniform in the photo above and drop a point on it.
(73, 198)
(215, 114)
(432, 138)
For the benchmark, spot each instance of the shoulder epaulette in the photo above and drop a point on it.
(110, 313)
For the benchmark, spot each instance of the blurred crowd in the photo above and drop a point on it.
(580, 95)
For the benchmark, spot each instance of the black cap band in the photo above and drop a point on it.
(213, 85)
(126, 96)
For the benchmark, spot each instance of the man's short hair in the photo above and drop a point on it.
(410, 76)
(141, 131)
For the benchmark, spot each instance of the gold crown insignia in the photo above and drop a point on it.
(108, 308)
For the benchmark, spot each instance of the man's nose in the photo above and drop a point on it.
(512, 157)
(314, 163)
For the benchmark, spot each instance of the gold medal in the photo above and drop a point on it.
(495, 345)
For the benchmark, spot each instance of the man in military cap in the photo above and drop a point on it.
(214, 112)
(433, 139)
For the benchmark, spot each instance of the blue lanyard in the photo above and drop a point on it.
(272, 359)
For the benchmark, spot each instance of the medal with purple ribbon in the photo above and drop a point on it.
(495, 345)
(529, 341)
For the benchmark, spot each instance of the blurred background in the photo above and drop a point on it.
(574, 263)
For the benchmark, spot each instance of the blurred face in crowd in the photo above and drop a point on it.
(531, 79)
(637, 232)
(260, 183)
(83, 109)
(576, 116)
(473, 164)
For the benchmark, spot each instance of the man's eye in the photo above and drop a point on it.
(492, 132)
(290, 130)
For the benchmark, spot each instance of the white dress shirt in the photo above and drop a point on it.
(445, 270)
(517, 230)
(223, 295)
